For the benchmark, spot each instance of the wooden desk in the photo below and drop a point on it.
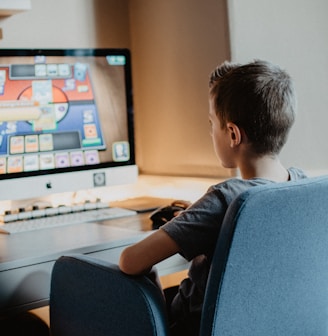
(26, 259)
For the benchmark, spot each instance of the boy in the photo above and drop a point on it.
(251, 110)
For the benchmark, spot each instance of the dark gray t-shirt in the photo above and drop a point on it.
(196, 231)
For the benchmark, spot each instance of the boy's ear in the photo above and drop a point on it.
(235, 134)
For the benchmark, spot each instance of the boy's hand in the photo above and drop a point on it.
(181, 204)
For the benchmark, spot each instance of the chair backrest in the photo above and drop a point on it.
(90, 297)
(269, 274)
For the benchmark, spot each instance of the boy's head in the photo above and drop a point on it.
(259, 98)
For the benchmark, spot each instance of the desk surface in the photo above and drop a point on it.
(21, 249)
(26, 259)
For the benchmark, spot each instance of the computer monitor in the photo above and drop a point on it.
(66, 121)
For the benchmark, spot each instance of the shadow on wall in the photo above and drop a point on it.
(174, 46)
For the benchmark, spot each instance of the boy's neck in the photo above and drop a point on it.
(266, 167)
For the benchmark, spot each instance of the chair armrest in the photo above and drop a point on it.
(93, 297)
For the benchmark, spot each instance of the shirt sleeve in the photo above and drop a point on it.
(196, 229)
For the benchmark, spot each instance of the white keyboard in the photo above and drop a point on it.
(53, 217)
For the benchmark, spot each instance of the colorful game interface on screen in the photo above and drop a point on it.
(49, 118)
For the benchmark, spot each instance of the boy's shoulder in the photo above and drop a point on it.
(232, 187)
(296, 173)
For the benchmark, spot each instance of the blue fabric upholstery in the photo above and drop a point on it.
(269, 275)
(94, 298)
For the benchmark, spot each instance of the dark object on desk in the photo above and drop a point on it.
(164, 214)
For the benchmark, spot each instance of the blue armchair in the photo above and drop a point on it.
(268, 276)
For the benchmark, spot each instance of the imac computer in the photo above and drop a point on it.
(66, 121)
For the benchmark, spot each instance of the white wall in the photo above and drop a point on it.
(68, 24)
(293, 34)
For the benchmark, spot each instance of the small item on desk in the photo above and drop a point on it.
(142, 203)
(164, 214)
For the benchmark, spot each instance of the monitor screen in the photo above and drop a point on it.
(66, 121)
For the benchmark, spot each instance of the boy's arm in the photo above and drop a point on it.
(142, 256)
